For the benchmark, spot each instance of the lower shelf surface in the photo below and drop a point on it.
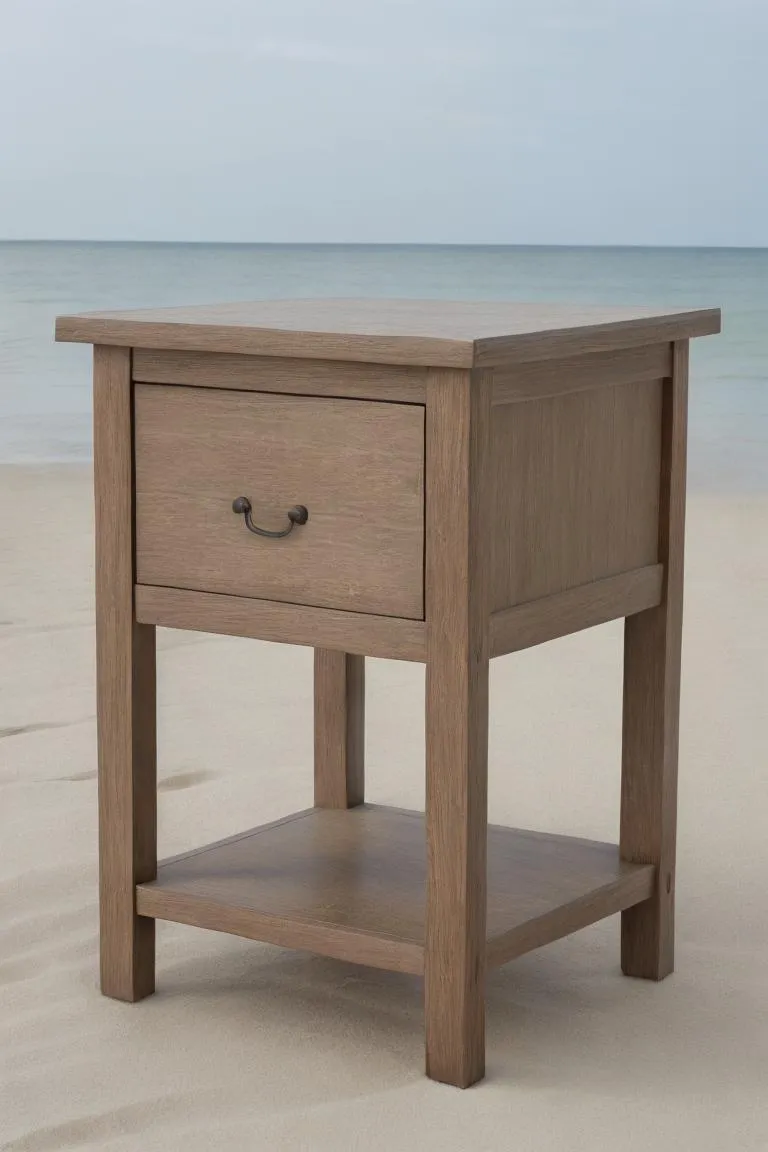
(351, 884)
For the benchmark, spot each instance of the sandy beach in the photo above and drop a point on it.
(247, 1046)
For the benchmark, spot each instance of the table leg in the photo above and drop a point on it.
(125, 657)
(458, 418)
(652, 642)
(339, 729)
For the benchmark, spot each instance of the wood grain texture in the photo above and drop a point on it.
(595, 333)
(594, 883)
(339, 698)
(652, 645)
(382, 636)
(351, 884)
(581, 373)
(125, 688)
(541, 620)
(358, 466)
(458, 490)
(392, 383)
(575, 490)
(203, 848)
(435, 333)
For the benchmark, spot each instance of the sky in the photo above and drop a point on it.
(385, 121)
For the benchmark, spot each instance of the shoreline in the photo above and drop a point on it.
(726, 484)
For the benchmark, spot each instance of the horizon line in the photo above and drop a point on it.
(387, 244)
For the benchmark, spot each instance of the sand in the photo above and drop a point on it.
(246, 1046)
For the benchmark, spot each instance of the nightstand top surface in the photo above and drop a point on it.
(438, 333)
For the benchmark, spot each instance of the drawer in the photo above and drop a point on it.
(356, 465)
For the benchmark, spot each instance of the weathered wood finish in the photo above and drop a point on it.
(458, 489)
(575, 490)
(382, 636)
(339, 729)
(599, 885)
(652, 644)
(479, 478)
(358, 466)
(125, 687)
(393, 383)
(582, 373)
(385, 637)
(584, 607)
(434, 333)
(586, 331)
(352, 885)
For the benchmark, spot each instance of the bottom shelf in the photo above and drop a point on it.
(351, 884)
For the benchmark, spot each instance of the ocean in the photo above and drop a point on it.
(45, 387)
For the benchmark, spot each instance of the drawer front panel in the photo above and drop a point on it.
(357, 466)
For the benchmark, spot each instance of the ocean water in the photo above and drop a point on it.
(45, 387)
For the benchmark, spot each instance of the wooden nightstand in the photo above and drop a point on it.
(422, 481)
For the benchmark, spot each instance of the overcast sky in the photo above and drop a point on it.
(457, 121)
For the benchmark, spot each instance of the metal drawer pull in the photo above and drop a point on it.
(297, 515)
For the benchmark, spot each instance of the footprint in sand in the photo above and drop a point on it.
(183, 780)
(175, 783)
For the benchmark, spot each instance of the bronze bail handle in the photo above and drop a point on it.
(296, 515)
